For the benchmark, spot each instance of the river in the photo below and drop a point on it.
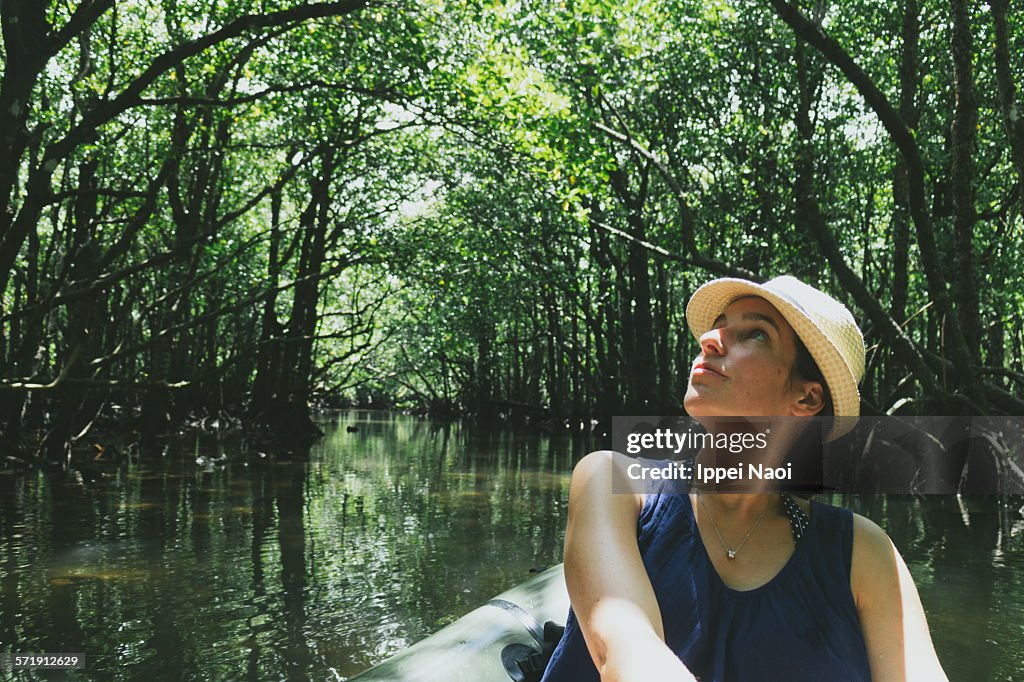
(212, 558)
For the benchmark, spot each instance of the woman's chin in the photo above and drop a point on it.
(698, 406)
(705, 410)
(697, 403)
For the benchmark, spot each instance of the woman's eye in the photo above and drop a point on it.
(757, 334)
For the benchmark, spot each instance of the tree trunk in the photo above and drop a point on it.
(964, 141)
(967, 383)
(292, 400)
(637, 320)
(1013, 116)
(909, 79)
(268, 354)
(667, 403)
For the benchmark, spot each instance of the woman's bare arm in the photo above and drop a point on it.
(895, 630)
(609, 589)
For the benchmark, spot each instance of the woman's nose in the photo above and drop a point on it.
(711, 342)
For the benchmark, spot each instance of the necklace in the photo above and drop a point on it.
(729, 552)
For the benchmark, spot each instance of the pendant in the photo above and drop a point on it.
(730, 553)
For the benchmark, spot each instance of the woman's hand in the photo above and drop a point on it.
(609, 589)
(891, 616)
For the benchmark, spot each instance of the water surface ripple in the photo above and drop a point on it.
(219, 561)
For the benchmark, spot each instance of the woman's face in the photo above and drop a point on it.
(745, 365)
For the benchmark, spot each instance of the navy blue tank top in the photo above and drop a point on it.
(801, 626)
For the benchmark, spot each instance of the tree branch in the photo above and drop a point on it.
(85, 15)
(132, 93)
(685, 213)
(901, 136)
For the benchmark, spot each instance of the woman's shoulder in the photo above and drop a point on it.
(601, 478)
(605, 471)
(874, 556)
(627, 474)
(634, 487)
(870, 542)
(869, 554)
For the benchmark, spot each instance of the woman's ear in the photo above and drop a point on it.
(811, 399)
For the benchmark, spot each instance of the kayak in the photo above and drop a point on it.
(485, 644)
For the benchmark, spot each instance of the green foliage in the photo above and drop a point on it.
(501, 204)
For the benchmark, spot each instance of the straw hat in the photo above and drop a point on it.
(824, 325)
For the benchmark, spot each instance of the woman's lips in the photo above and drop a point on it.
(704, 368)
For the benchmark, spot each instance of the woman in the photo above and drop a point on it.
(745, 586)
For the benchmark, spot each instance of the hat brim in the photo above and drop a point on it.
(708, 302)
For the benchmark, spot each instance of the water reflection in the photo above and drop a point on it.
(430, 532)
(315, 565)
(308, 566)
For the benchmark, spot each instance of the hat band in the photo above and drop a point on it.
(789, 298)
